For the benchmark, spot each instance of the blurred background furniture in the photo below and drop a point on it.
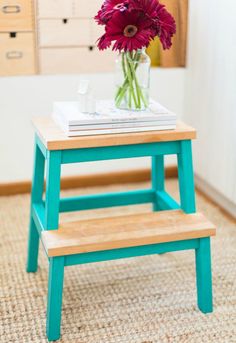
(17, 38)
(59, 37)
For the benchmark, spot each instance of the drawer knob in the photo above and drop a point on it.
(14, 55)
(9, 9)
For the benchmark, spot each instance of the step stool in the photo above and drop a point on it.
(171, 227)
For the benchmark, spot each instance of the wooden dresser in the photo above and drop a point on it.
(17, 38)
(67, 37)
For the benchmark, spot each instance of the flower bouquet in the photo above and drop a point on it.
(130, 25)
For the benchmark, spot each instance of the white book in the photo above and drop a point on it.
(120, 125)
(107, 113)
(117, 131)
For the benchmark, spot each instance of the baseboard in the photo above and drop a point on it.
(123, 177)
(216, 197)
(102, 179)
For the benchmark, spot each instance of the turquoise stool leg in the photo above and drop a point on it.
(53, 175)
(56, 267)
(203, 274)
(55, 293)
(186, 178)
(158, 177)
(36, 196)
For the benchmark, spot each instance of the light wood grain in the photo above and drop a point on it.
(16, 15)
(68, 8)
(55, 8)
(58, 33)
(54, 138)
(125, 231)
(83, 10)
(17, 55)
(73, 59)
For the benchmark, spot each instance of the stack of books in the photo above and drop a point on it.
(108, 119)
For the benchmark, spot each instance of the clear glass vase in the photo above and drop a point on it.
(132, 80)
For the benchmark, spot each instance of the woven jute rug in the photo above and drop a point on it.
(139, 300)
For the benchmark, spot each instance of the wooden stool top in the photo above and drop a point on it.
(54, 138)
(125, 231)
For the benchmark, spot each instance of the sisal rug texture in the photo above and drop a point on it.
(139, 300)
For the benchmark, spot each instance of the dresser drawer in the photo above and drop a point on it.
(64, 32)
(55, 8)
(87, 9)
(16, 15)
(75, 60)
(17, 54)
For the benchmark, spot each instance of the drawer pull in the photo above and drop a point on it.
(12, 34)
(9, 9)
(14, 55)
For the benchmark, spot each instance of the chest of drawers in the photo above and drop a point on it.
(17, 39)
(67, 35)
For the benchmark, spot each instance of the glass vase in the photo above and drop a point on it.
(132, 80)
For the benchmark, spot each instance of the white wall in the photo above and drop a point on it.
(210, 103)
(23, 97)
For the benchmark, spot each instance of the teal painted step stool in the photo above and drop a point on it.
(171, 227)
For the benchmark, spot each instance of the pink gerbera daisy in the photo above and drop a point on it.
(130, 31)
(165, 27)
(108, 8)
(149, 7)
(163, 23)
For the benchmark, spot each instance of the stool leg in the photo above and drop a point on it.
(186, 179)
(55, 293)
(203, 274)
(52, 197)
(36, 196)
(158, 177)
(33, 248)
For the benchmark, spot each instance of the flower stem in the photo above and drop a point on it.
(138, 88)
(130, 77)
(130, 87)
(123, 64)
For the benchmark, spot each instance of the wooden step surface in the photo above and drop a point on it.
(125, 231)
(54, 138)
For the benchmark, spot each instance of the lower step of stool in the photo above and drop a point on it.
(125, 231)
(126, 236)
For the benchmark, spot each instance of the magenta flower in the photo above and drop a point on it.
(129, 31)
(131, 24)
(163, 23)
(165, 27)
(108, 8)
(149, 7)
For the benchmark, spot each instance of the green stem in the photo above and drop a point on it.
(129, 73)
(129, 65)
(130, 99)
(121, 94)
(138, 88)
(143, 98)
(121, 91)
(123, 64)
